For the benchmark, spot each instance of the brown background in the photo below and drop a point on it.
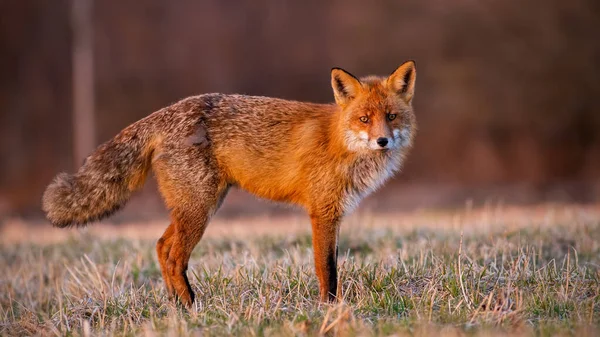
(507, 91)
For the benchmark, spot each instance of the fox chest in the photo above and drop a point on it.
(367, 177)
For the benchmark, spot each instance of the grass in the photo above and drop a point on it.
(519, 271)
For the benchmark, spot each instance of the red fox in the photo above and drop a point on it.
(322, 157)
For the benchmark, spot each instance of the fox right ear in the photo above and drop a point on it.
(402, 80)
(345, 86)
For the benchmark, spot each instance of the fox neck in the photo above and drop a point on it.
(367, 174)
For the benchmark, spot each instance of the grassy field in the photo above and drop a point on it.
(491, 271)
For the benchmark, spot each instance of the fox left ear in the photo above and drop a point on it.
(402, 81)
(345, 86)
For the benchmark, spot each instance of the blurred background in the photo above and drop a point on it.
(507, 96)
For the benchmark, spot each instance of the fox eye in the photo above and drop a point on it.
(391, 116)
(364, 119)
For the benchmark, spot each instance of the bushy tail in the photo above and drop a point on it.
(105, 181)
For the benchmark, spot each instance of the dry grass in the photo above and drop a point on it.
(491, 271)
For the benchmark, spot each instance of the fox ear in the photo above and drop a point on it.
(345, 86)
(402, 80)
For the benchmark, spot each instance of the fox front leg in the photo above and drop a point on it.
(325, 235)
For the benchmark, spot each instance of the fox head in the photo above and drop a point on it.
(377, 112)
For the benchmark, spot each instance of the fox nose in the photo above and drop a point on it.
(382, 141)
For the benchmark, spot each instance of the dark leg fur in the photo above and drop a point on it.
(325, 234)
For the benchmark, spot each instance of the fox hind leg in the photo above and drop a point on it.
(193, 190)
(177, 243)
(163, 246)
(189, 229)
